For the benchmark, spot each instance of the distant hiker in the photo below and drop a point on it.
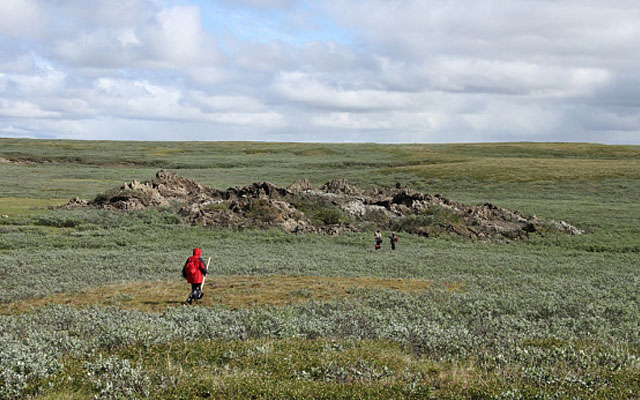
(377, 237)
(193, 271)
(393, 238)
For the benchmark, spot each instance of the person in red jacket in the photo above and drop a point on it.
(193, 271)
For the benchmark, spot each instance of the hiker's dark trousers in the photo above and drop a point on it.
(195, 288)
(195, 291)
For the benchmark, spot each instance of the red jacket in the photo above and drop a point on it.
(195, 275)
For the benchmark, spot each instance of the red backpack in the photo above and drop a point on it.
(192, 268)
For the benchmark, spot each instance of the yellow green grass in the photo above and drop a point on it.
(525, 169)
(229, 291)
(22, 207)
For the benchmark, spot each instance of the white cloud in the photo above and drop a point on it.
(103, 49)
(345, 120)
(265, 120)
(521, 121)
(212, 103)
(261, 57)
(513, 77)
(263, 4)
(144, 100)
(177, 37)
(328, 56)
(12, 131)
(409, 70)
(34, 81)
(21, 18)
(166, 38)
(304, 88)
(12, 64)
(418, 29)
(24, 109)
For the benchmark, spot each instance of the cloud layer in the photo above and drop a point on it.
(375, 70)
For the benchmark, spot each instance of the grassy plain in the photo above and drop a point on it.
(91, 300)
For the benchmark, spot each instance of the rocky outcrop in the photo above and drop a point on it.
(301, 185)
(340, 186)
(335, 207)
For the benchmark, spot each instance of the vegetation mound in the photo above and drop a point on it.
(335, 207)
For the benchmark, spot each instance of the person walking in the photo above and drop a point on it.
(377, 237)
(194, 271)
(394, 239)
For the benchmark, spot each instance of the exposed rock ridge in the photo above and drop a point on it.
(335, 207)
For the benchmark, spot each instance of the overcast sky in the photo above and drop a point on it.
(334, 70)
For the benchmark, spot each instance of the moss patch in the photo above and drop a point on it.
(229, 291)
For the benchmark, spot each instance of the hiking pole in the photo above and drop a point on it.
(204, 278)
